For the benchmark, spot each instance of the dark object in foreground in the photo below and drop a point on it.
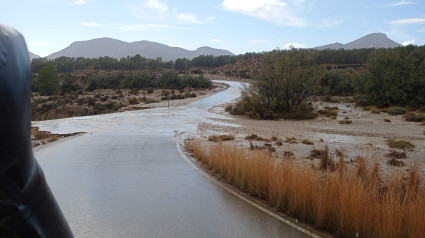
(27, 206)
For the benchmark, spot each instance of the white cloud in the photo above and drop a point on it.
(251, 5)
(215, 40)
(294, 45)
(161, 11)
(188, 18)
(408, 21)
(401, 3)
(91, 24)
(270, 10)
(156, 5)
(409, 42)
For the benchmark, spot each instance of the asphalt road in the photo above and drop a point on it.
(126, 178)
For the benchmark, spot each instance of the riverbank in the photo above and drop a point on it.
(351, 132)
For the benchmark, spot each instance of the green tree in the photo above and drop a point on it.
(68, 84)
(394, 77)
(182, 64)
(47, 81)
(284, 82)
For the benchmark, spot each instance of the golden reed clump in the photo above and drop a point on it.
(347, 202)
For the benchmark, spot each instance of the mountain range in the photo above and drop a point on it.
(373, 40)
(116, 48)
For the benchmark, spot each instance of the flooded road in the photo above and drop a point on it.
(126, 178)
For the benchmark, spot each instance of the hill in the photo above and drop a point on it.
(116, 48)
(373, 40)
(32, 55)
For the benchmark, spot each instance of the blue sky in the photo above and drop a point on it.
(236, 25)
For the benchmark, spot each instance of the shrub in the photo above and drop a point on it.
(345, 122)
(411, 116)
(397, 111)
(331, 108)
(329, 98)
(307, 142)
(218, 138)
(396, 155)
(133, 101)
(238, 109)
(395, 162)
(251, 137)
(400, 144)
(315, 153)
(228, 108)
(328, 112)
(150, 100)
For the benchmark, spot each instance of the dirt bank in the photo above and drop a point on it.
(354, 132)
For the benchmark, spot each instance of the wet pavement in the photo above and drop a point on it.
(126, 178)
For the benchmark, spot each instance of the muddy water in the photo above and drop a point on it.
(156, 121)
(126, 178)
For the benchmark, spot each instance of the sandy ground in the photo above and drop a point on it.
(366, 136)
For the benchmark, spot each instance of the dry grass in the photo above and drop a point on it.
(349, 203)
(39, 135)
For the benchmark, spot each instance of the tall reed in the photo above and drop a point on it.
(346, 202)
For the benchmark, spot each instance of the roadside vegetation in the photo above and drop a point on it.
(84, 93)
(287, 82)
(283, 83)
(346, 201)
